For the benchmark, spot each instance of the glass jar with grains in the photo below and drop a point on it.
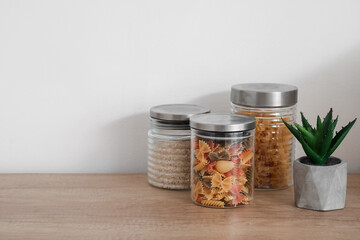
(169, 145)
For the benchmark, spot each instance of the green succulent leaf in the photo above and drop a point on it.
(309, 138)
(319, 135)
(339, 137)
(327, 121)
(293, 130)
(306, 124)
(314, 157)
(336, 121)
(319, 126)
(328, 139)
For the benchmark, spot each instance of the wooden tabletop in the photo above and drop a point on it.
(115, 206)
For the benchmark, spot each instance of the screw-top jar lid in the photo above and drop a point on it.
(176, 112)
(264, 94)
(222, 122)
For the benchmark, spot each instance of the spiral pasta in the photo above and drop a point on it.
(273, 149)
(212, 203)
(224, 195)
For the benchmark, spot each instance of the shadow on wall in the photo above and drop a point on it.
(217, 102)
(318, 91)
(126, 140)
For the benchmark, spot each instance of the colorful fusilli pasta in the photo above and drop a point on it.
(222, 171)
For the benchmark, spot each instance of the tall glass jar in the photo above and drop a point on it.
(169, 145)
(269, 103)
(222, 160)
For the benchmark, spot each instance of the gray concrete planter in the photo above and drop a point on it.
(321, 188)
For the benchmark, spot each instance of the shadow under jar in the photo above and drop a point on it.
(169, 145)
(222, 160)
(274, 144)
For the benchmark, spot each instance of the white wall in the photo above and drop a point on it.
(77, 78)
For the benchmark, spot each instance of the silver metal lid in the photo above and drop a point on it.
(264, 94)
(222, 122)
(176, 112)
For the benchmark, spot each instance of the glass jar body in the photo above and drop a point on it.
(169, 155)
(222, 168)
(274, 145)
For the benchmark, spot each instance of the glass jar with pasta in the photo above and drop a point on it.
(274, 144)
(222, 160)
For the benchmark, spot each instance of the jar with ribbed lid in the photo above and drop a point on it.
(169, 145)
(269, 103)
(222, 160)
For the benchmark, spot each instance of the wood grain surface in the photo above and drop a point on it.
(115, 206)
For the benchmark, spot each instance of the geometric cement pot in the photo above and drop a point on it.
(320, 187)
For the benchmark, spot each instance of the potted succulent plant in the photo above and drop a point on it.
(320, 179)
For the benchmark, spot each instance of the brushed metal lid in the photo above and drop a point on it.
(264, 94)
(222, 122)
(176, 112)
